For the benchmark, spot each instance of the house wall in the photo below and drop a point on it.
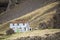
(20, 27)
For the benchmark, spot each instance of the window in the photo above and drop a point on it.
(24, 28)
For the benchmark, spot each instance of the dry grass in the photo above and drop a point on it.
(36, 16)
(33, 33)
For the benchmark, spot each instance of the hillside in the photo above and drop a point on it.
(24, 8)
(43, 34)
(43, 16)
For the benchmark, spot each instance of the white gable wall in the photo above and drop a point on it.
(20, 27)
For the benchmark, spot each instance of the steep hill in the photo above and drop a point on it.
(38, 16)
(34, 11)
(23, 8)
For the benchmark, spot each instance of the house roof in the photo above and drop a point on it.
(20, 21)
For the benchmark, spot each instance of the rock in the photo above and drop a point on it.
(43, 25)
(9, 32)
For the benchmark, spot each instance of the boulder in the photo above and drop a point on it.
(9, 32)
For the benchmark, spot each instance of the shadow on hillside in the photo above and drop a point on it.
(57, 17)
(26, 7)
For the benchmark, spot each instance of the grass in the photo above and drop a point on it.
(34, 17)
(33, 33)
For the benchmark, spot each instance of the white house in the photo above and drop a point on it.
(20, 27)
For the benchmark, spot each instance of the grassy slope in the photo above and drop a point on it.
(36, 16)
(33, 33)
